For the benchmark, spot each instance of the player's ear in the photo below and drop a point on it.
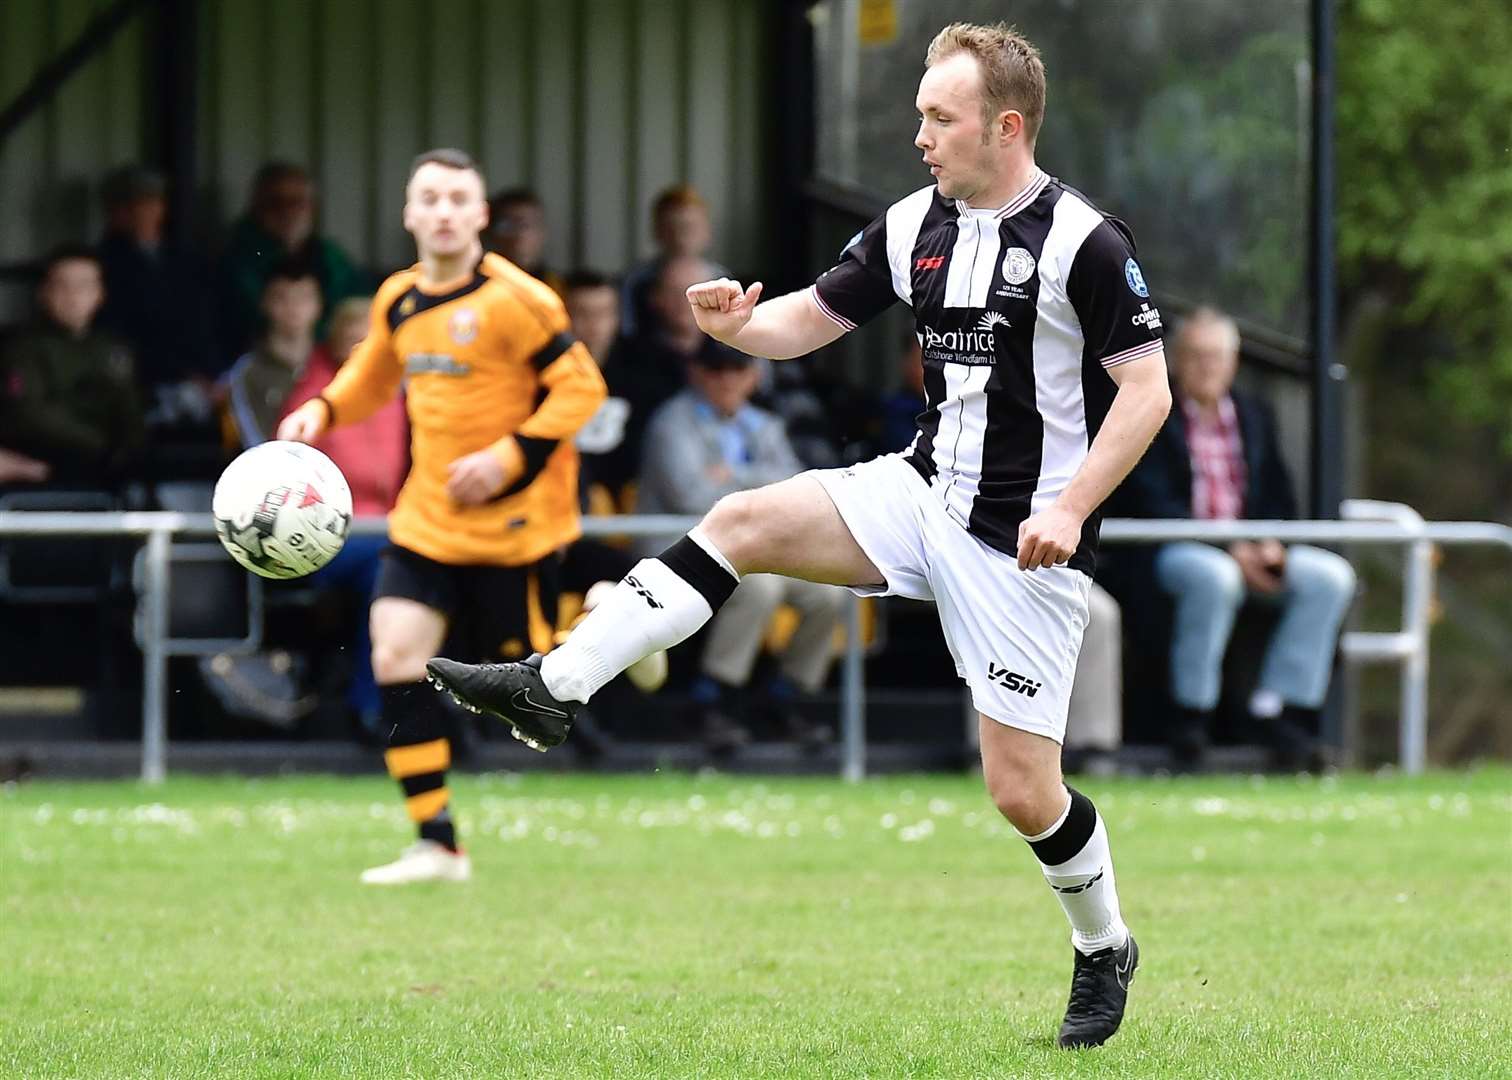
(1010, 125)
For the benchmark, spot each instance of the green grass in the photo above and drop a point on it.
(684, 926)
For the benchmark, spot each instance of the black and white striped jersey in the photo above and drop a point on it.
(1020, 311)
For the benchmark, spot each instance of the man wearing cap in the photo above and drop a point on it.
(155, 300)
(704, 443)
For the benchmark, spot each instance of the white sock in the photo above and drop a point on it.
(1082, 874)
(660, 602)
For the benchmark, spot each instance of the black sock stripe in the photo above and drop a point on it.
(697, 567)
(1067, 841)
(412, 713)
(419, 785)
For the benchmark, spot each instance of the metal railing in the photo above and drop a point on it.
(1366, 522)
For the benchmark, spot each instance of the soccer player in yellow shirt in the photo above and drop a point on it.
(495, 387)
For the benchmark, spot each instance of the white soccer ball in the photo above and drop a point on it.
(282, 509)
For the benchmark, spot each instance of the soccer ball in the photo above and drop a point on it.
(282, 509)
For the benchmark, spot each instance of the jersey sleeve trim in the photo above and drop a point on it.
(1149, 348)
(834, 315)
(553, 348)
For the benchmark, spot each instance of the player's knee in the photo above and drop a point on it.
(737, 527)
(395, 663)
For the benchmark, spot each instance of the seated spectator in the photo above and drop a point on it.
(1094, 718)
(681, 228)
(901, 409)
(608, 464)
(517, 231)
(374, 457)
(1217, 459)
(259, 383)
(278, 227)
(654, 366)
(67, 391)
(157, 303)
(708, 442)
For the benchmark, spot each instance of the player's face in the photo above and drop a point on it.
(1206, 362)
(444, 209)
(72, 293)
(595, 318)
(962, 154)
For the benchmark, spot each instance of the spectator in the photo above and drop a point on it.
(517, 231)
(67, 391)
(607, 464)
(279, 227)
(708, 442)
(1094, 719)
(156, 301)
(681, 228)
(259, 383)
(1217, 459)
(374, 457)
(653, 366)
(901, 408)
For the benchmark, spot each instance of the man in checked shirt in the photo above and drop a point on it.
(1217, 459)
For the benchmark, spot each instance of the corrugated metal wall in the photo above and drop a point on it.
(598, 104)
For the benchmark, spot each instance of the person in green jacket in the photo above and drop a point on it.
(278, 228)
(67, 393)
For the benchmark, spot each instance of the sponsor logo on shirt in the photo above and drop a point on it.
(1147, 317)
(975, 345)
(422, 363)
(929, 262)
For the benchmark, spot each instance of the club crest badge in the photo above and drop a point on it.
(1018, 266)
(463, 326)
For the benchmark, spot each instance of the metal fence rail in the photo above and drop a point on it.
(1366, 522)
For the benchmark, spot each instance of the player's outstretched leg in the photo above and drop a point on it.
(659, 603)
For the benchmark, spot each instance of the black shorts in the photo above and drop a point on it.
(492, 612)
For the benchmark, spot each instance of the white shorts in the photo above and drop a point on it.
(1014, 634)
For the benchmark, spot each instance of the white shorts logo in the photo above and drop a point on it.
(1018, 266)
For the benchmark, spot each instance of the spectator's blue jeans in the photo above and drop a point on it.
(1209, 590)
(355, 570)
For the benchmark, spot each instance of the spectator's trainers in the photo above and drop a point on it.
(425, 860)
(1099, 990)
(515, 693)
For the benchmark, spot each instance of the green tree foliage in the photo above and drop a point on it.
(1424, 145)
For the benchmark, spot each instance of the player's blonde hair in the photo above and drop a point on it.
(1013, 75)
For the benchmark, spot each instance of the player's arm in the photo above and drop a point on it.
(574, 391)
(856, 289)
(367, 381)
(789, 326)
(1121, 328)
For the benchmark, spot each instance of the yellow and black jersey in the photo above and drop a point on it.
(489, 364)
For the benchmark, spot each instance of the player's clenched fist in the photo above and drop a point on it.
(1048, 538)
(722, 307)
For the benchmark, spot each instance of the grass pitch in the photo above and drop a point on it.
(670, 926)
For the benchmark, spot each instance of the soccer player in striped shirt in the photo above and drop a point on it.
(1045, 381)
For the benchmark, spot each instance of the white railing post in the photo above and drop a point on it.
(853, 698)
(154, 633)
(1417, 601)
